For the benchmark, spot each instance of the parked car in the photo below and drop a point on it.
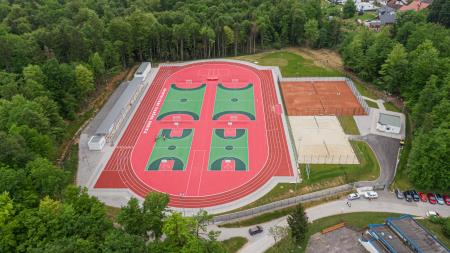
(414, 195)
(447, 200)
(255, 230)
(431, 198)
(370, 195)
(399, 194)
(408, 196)
(432, 213)
(439, 199)
(353, 196)
(423, 197)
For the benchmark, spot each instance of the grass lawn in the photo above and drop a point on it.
(368, 15)
(234, 243)
(364, 91)
(265, 217)
(291, 64)
(371, 104)
(358, 221)
(348, 124)
(391, 107)
(435, 229)
(70, 163)
(401, 179)
(325, 176)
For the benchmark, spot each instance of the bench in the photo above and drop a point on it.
(332, 228)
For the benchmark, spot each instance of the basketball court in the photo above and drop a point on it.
(314, 97)
(205, 133)
(321, 140)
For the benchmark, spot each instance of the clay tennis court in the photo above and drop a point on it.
(308, 98)
(205, 133)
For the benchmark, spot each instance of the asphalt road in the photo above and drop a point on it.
(386, 150)
(386, 202)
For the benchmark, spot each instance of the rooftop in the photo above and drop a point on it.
(142, 68)
(415, 6)
(108, 122)
(96, 138)
(387, 119)
(389, 238)
(417, 235)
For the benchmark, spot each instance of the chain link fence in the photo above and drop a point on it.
(328, 159)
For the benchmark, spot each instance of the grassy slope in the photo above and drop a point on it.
(435, 229)
(234, 243)
(391, 107)
(401, 178)
(364, 91)
(348, 124)
(357, 221)
(371, 104)
(291, 64)
(325, 176)
(265, 217)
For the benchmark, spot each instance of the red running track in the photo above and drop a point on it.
(196, 186)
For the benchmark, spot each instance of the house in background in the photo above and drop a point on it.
(416, 5)
(396, 4)
(386, 15)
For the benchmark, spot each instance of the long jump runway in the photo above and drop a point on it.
(206, 133)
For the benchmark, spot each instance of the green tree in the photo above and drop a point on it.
(349, 9)
(311, 32)
(428, 160)
(84, 80)
(424, 62)
(97, 65)
(394, 71)
(298, 223)
(177, 229)
(6, 209)
(46, 177)
(132, 218)
(429, 97)
(155, 208)
(118, 241)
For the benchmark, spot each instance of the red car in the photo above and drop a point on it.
(422, 196)
(447, 200)
(432, 198)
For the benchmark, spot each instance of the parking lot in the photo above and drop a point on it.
(389, 198)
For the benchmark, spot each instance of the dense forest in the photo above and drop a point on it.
(412, 59)
(54, 56)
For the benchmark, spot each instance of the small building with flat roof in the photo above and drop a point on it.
(389, 123)
(96, 143)
(143, 70)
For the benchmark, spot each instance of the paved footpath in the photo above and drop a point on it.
(386, 203)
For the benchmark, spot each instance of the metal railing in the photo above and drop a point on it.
(282, 203)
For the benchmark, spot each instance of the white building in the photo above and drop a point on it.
(96, 143)
(143, 70)
(389, 123)
(118, 113)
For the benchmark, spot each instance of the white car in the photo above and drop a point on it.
(432, 213)
(370, 195)
(353, 196)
